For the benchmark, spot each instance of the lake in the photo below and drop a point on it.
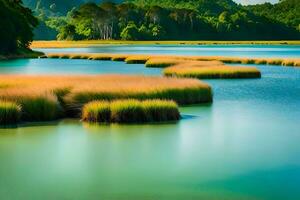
(243, 146)
(257, 51)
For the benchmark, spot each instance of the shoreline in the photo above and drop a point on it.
(22, 54)
(95, 43)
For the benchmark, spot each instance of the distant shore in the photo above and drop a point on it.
(91, 43)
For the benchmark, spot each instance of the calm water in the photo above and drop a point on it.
(280, 51)
(244, 146)
(72, 66)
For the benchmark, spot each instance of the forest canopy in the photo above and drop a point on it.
(170, 20)
(16, 26)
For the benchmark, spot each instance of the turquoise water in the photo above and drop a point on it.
(243, 146)
(72, 67)
(257, 51)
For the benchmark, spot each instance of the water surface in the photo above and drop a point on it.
(244, 146)
(257, 51)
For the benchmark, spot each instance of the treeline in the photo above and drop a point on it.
(171, 20)
(286, 12)
(16, 26)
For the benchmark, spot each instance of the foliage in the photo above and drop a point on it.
(179, 20)
(17, 24)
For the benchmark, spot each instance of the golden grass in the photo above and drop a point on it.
(203, 71)
(92, 43)
(137, 59)
(131, 111)
(167, 60)
(43, 97)
(163, 62)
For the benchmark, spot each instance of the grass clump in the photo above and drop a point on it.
(100, 57)
(137, 59)
(162, 62)
(212, 72)
(127, 111)
(10, 113)
(96, 111)
(119, 57)
(130, 111)
(161, 110)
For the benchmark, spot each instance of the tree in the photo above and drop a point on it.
(17, 24)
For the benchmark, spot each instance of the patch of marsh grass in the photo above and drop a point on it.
(212, 72)
(10, 113)
(131, 111)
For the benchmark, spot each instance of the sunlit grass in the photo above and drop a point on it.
(162, 62)
(10, 113)
(169, 60)
(45, 98)
(137, 59)
(211, 71)
(131, 111)
(96, 111)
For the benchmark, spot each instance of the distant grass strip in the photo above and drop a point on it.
(97, 43)
(10, 113)
(131, 111)
(169, 60)
(212, 72)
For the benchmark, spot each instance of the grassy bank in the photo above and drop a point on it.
(91, 43)
(44, 98)
(130, 111)
(168, 60)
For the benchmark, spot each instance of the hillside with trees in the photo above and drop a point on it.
(286, 12)
(17, 24)
(168, 20)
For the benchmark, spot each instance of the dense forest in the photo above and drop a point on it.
(16, 26)
(166, 20)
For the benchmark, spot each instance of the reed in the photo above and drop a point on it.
(162, 62)
(50, 97)
(169, 60)
(130, 111)
(96, 111)
(127, 111)
(35, 106)
(160, 111)
(137, 59)
(100, 57)
(10, 113)
(212, 72)
(119, 57)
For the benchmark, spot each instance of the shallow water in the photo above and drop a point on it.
(257, 51)
(72, 67)
(243, 146)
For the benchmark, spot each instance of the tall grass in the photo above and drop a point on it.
(10, 113)
(131, 111)
(137, 59)
(50, 97)
(162, 62)
(96, 111)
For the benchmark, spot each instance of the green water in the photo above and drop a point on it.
(243, 146)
